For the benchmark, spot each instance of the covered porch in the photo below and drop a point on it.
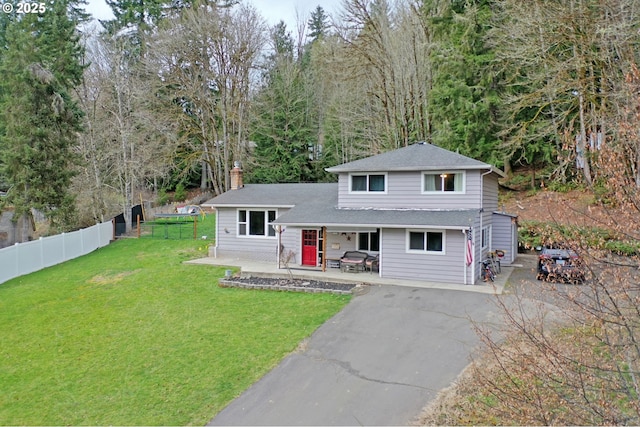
(327, 248)
(250, 268)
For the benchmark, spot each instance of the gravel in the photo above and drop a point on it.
(303, 285)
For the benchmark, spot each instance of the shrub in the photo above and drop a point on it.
(180, 194)
(163, 197)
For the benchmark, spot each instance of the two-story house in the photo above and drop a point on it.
(426, 213)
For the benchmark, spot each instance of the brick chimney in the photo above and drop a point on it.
(236, 176)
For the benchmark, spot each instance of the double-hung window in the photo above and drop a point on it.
(443, 182)
(425, 241)
(368, 182)
(256, 223)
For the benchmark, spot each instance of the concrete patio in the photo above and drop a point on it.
(265, 269)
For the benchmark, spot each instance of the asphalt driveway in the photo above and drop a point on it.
(377, 362)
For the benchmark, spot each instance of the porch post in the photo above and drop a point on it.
(324, 248)
(278, 229)
(464, 263)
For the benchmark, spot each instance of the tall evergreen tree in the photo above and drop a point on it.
(41, 63)
(464, 99)
(281, 127)
(318, 24)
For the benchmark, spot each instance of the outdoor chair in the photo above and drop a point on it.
(353, 261)
(372, 263)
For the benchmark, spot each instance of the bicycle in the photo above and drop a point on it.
(487, 273)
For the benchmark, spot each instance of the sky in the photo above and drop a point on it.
(272, 10)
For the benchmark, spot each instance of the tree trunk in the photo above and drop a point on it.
(582, 143)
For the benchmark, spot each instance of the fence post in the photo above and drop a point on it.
(195, 227)
(40, 242)
(138, 223)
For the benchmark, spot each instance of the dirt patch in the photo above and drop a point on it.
(110, 278)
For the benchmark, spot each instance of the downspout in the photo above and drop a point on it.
(481, 216)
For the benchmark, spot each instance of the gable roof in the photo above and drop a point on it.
(421, 156)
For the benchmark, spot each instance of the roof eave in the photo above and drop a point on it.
(338, 169)
(357, 225)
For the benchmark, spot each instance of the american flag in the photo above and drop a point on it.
(469, 248)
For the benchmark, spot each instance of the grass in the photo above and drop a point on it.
(180, 227)
(128, 335)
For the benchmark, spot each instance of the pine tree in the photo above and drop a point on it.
(282, 127)
(318, 24)
(463, 101)
(41, 63)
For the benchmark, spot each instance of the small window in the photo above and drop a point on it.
(486, 236)
(426, 241)
(242, 222)
(376, 182)
(369, 241)
(358, 183)
(443, 182)
(369, 183)
(271, 217)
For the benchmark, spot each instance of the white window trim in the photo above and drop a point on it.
(266, 218)
(369, 241)
(425, 230)
(367, 174)
(441, 192)
(486, 237)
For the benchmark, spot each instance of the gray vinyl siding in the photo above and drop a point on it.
(395, 262)
(259, 248)
(490, 193)
(503, 237)
(339, 243)
(292, 241)
(404, 190)
(477, 250)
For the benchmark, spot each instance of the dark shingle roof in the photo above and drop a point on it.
(273, 195)
(316, 205)
(420, 156)
(394, 218)
(323, 210)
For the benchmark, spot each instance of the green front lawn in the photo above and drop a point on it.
(128, 335)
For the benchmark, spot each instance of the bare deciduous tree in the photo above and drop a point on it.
(204, 59)
(386, 55)
(124, 147)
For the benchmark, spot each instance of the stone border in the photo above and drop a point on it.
(233, 284)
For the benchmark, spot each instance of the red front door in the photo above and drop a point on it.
(309, 247)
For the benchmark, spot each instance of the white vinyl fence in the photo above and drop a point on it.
(25, 258)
